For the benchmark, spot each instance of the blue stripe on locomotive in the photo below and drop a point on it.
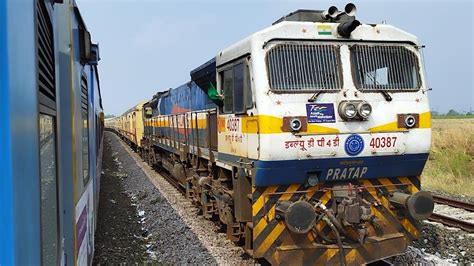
(298, 171)
(286, 172)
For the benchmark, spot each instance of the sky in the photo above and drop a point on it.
(148, 46)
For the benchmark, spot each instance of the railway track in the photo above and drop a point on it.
(170, 180)
(451, 221)
(454, 203)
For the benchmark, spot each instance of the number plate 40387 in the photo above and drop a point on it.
(387, 143)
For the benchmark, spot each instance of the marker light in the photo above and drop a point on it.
(295, 124)
(410, 121)
(364, 109)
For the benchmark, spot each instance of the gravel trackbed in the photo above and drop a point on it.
(142, 218)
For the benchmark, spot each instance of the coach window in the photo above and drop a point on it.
(47, 136)
(49, 204)
(85, 129)
(228, 85)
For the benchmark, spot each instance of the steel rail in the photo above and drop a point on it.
(170, 179)
(450, 221)
(454, 203)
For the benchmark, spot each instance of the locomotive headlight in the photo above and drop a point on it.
(295, 124)
(364, 109)
(347, 110)
(410, 121)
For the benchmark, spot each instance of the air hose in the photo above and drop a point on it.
(334, 225)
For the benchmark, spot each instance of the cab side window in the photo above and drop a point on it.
(236, 88)
(239, 98)
(228, 85)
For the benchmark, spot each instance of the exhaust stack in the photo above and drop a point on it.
(346, 28)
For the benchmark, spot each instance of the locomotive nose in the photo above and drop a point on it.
(419, 205)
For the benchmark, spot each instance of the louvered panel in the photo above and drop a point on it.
(44, 91)
(45, 76)
(304, 66)
(385, 67)
(45, 46)
(84, 93)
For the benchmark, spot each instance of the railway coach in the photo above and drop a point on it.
(308, 142)
(51, 124)
(129, 126)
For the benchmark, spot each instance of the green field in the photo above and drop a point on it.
(452, 116)
(450, 167)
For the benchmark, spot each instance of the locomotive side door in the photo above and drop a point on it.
(234, 120)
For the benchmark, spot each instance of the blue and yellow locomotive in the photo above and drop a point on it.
(51, 127)
(307, 139)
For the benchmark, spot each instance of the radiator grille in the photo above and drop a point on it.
(304, 67)
(45, 46)
(384, 67)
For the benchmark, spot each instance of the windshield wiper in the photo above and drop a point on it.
(387, 96)
(313, 98)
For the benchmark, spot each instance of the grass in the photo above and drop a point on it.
(450, 167)
(452, 116)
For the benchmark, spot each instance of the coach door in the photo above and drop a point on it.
(47, 137)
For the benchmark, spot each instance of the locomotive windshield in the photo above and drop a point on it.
(384, 67)
(302, 67)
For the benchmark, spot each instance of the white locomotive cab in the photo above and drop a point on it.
(304, 72)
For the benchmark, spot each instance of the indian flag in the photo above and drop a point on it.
(324, 30)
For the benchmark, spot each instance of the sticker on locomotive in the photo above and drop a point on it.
(354, 145)
(320, 113)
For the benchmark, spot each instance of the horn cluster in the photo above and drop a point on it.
(334, 13)
(346, 26)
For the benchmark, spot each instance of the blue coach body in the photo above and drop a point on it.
(51, 124)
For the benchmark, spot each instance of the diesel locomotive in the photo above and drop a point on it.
(307, 139)
(51, 124)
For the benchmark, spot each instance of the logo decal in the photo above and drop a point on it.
(320, 113)
(354, 145)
